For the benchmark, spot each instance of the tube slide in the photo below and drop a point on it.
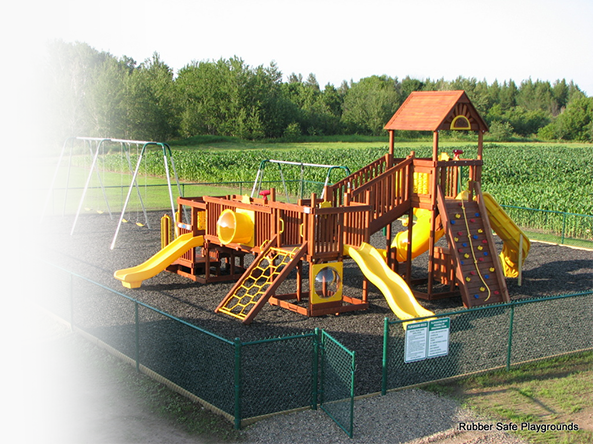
(133, 277)
(420, 236)
(510, 234)
(397, 293)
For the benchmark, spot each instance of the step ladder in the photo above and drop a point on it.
(260, 281)
(478, 270)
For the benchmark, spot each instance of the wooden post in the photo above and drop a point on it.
(409, 252)
(388, 249)
(433, 208)
(480, 144)
(391, 148)
(478, 172)
(299, 289)
(435, 146)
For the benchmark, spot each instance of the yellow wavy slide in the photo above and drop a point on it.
(133, 277)
(510, 234)
(397, 293)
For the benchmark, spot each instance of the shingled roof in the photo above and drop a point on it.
(437, 111)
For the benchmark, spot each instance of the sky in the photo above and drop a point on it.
(335, 40)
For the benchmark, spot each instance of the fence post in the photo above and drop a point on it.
(137, 322)
(563, 226)
(384, 360)
(509, 345)
(315, 369)
(71, 302)
(237, 383)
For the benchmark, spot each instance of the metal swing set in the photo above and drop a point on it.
(257, 184)
(96, 147)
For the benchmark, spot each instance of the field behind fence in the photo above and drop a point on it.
(546, 225)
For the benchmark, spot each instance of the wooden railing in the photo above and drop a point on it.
(336, 192)
(389, 194)
(262, 214)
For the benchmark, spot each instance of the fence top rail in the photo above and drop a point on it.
(493, 306)
(280, 338)
(546, 211)
(136, 301)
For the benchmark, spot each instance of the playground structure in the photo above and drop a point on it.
(323, 232)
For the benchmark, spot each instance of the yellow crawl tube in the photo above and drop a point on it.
(420, 236)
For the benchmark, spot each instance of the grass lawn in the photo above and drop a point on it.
(543, 393)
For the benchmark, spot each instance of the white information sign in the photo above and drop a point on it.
(427, 339)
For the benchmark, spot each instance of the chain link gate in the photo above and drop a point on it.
(337, 382)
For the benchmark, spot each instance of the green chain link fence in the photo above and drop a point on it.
(337, 382)
(240, 380)
(492, 337)
(247, 380)
(559, 226)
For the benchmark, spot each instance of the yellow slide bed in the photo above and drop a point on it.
(396, 291)
(510, 234)
(133, 277)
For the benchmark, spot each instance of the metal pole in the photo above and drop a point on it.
(259, 177)
(237, 383)
(137, 322)
(99, 147)
(563, 226)
(123, 211)
(53, 180)
(284, 184)
(385, 355)
(315, 369)
(71, 303)
(169, 184)
(179, 191)
(88, 180)
(510, 342)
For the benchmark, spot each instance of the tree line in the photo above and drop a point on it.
(94, 93)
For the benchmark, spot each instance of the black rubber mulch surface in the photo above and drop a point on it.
(549, 270)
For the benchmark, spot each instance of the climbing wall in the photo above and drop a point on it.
(478, 270)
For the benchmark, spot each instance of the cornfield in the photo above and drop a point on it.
(549, 178)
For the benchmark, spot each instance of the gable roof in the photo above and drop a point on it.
(436, 111)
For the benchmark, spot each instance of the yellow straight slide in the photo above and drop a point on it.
(397, 293)
(510, 234)
(133, 277)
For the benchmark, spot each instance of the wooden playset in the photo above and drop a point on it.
(322, 232)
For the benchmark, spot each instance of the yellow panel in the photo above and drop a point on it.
(460, 123)
(326, 277)
(251, 215)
